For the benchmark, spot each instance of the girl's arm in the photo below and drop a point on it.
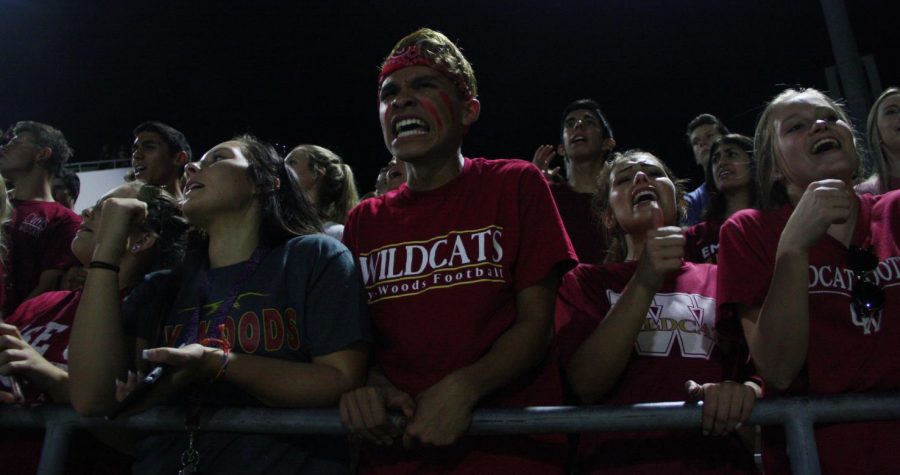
(778, 332)
(97, 346)
(272, 381)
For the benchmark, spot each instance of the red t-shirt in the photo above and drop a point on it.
(581, 225)
(702, 242)
(442, 269)
(40, 237)
(45, 322)
(846, 353)
(677, 342)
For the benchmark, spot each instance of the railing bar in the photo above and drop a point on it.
(801, 444)
(55, 450)
(797, 415)
(534, 419)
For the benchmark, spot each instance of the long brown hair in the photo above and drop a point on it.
(880, 162)
(615, 235)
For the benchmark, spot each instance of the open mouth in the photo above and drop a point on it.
(724, 174)
(644, 196)
(138, 169)
(825, 145)
(85, 228)
(579, 139)
(409, 127)
(192, 186)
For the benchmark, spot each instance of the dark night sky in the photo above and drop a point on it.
(304, 72)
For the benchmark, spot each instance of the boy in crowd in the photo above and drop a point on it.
(66, 188)
(702, 131)
(158, 156)
(586, 143)
(41, 229)
(461, 266)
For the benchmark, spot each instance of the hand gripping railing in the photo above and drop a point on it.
(797, 415)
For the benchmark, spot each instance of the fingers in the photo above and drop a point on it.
(749, 400)
(829, 183)
(542, 156)
(663, 253)
(710, 409)
(11, 361)
(725, 407)
(823, 203)
(161, 355)
(132, 206)
(123, 388)
(363, 413)
(10, 330)
(403, 401)
(174, 356)
(694, 390)
(8, 341)
(665, 248)
(831, 200)
(729, 409)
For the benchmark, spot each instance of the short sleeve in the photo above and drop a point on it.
(746, 263)
(692, 244)
(334, 312)
(697, 200)
(577, 314)
(58, 246)
(544, 243)
(140, 306)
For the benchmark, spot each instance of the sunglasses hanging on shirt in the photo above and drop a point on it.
(866, 297)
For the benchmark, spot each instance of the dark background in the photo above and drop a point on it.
(305, 72)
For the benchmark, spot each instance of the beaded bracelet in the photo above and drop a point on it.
(103, 265)
(223, 345)
(225, 360)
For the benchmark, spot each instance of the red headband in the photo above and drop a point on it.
(411, 56)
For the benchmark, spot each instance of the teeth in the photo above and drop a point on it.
(642, 194)
(825, 144)
(411, 126)
(407, 133)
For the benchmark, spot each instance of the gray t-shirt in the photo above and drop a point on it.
(303, 300)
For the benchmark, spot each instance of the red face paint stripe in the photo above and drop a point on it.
(434, 112)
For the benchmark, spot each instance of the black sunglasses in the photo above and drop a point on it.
(867, 298)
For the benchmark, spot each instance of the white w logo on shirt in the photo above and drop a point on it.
(689, 318)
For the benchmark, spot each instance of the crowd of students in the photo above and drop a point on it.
(252, 279)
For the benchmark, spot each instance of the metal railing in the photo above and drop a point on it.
(797, 415)
(94, 165)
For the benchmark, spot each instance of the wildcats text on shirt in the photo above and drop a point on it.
(456, 258)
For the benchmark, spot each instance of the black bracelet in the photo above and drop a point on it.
(103, 265)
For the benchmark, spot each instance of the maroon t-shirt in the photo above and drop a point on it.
(701, 242)
(441, 270)
(40, 237)
(45, 322)
(581, 225)
(678, 342)
(847, 352)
